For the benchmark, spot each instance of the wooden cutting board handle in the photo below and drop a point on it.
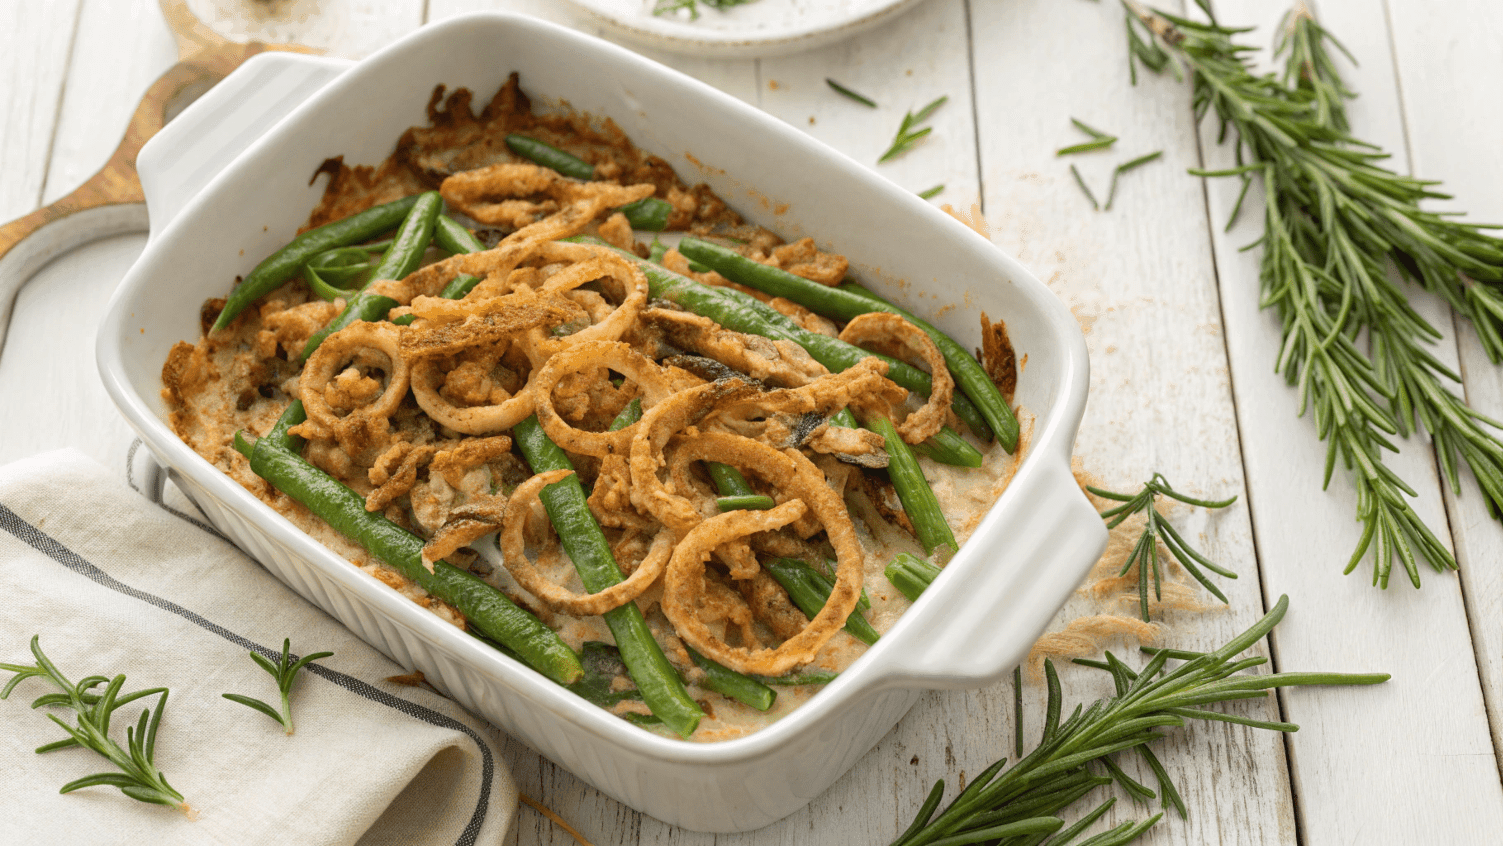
(111, 202)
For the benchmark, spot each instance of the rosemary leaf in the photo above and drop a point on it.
(1080, 180)
(860, 98)
(1086, 146)
(924, 195)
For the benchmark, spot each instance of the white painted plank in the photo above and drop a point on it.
(119, 51)
(34, 46)
(1428, 723)
(1142, 281)
(911, 62)
(1454, 120)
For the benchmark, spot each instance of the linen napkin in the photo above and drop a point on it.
(114, 583)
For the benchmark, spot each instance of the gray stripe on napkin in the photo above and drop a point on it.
(49, 546)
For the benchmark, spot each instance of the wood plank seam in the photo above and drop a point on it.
(970, 43)
(62, 94)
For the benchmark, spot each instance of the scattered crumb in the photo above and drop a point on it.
(811, 120)
(772, 84)
(974, 218)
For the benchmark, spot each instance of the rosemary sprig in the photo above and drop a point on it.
(139, 777)
(860, 98)
(1099, 140)
(1059, 771)
(909, 132)
(1336, 220)
(285, 670)
(1145, 553)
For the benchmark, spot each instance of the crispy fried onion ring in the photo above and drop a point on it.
(471, 420)
(649, 494)
(374, 345)
(798, 479)
(595, 355)
(491, 194)
(586, 201)
(514, 548)
(885, 327)
(591, 263)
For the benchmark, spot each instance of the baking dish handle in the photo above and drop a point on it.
(980, 617)
(187, 153)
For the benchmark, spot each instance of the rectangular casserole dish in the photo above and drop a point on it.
(975, 623)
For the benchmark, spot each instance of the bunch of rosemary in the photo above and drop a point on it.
(1018, 805)
(1336, 222)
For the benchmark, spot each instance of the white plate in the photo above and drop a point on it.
(757, 28)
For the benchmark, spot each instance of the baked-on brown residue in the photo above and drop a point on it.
(997, 356)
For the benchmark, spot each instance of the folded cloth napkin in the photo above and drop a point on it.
(115, 584)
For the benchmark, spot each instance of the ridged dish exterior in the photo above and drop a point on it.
(970, 629)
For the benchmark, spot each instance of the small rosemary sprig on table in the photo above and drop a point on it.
(284, 671)
(1336, 220)
(139, 777)
(1023, 800)
(1145, 553)
(909, 131)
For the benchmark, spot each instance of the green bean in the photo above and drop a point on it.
(741, 312)
(285, 263)
(947, 446)
(813, 677)
(550, 156)
(486, 608)
(453, 238)
(401, 259)
(950, 447)
(749, 502)
(629, 415)
(649, 213)
(911, 574)
(735, 491)
(810, 590)
(585, 543)
(913, 489)
(731, 684)
(326, 271)
(843, 305)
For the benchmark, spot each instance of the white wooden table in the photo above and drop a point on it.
(1183, 380)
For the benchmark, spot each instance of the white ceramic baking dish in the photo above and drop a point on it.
(973, 625)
